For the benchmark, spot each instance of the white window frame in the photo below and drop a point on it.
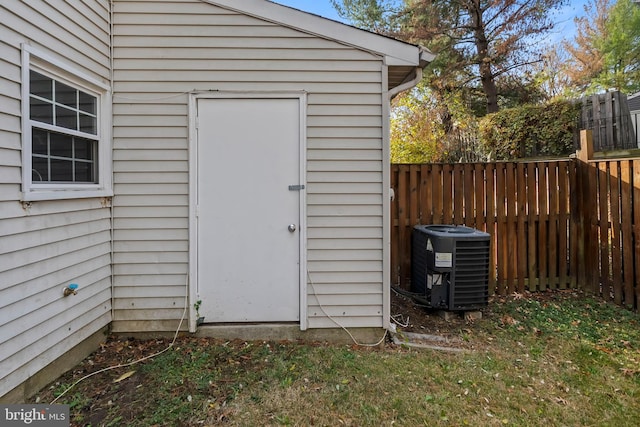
(41, 62)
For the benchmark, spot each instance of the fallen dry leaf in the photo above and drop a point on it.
(508, 320)
(561, 401)
(124, 376)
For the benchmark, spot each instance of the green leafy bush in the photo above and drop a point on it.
(530, 130)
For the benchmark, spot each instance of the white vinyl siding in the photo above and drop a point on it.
(46, 245)
(163, 50)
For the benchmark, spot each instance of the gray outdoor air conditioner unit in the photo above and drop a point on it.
(450, 266)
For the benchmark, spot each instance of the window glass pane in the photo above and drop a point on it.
(60, 145)
(88, 124)
(41, 111)
(66, 95)
(57, 156)
(66, 118)
(83, 149)
(61, 170)
(84, 172)
(87, 103)
(39, 142)
(40, 85)
(39, 169)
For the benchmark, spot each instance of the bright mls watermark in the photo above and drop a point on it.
(34, 415)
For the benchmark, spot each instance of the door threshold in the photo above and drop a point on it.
(252, 331)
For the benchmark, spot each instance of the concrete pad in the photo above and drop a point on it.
(472, 316)
(448, 315)
(290, 332)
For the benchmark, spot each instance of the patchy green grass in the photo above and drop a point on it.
(553, 359)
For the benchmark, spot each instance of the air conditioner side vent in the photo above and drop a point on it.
(450, 266)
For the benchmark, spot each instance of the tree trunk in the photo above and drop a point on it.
(489, 87)
(484, 61)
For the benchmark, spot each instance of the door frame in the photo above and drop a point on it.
(194, 97)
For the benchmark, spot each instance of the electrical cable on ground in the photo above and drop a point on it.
(175, 337)
(355, 341)
(124, 365)
(416, 297)
(399, 322)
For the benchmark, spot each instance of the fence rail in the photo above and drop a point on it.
(554, 224)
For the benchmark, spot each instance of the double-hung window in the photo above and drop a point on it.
(65, 146)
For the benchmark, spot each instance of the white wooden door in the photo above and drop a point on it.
(248, 217)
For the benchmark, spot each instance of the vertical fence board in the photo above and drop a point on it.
(543, 223)
(617, 129)
(436, 190)
(552, 253)
(531, 226)
(608, 111)
(469, 196)
(491, 224)
(403, 241)
(425, 195)
(414, 201)
(603, 216)
(521, 212)
(626, 210)
(447, 196)
(480, 183)
(592, 240)
(503, 250)
(459, 191)
(615, 231)
(576, 228)
(636, 229)
(396, 253)
(563, 226)
(598, 135)
(511, 238)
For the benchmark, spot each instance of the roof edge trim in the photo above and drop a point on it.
(397, 52)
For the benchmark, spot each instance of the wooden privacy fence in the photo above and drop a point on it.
(526, 207)
(554, 224)
(607, 116)
(608, 194)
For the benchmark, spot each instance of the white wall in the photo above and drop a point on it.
(46, 245)
(164, 50)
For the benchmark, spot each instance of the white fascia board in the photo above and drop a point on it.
(395, 52)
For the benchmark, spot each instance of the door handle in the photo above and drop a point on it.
(292, 228)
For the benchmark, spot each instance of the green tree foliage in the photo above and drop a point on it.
(374, 15)
(605, 53)
(531, 130)
(550, 76)
(418, 131)
(621, 49)
(414, 131)
(586, 59)
(476, 41)
(480, 46)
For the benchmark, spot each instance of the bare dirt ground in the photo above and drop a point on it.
(409, 317)
(412, 317)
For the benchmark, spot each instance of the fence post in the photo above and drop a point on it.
(585, 153)
(582, 213)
